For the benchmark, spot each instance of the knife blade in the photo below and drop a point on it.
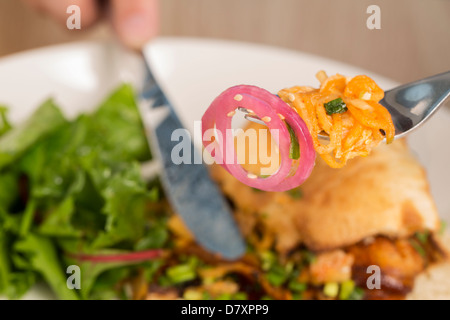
(188, 186)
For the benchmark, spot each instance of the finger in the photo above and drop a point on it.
(58, 9)
(135, 21)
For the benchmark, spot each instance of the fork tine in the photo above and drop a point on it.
(254, 118)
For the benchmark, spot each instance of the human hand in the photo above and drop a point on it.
(134, 21)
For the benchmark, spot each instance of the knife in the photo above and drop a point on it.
(188, 186)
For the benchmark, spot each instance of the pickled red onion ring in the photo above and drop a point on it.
(266, 106)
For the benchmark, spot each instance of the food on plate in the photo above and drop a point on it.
(76, 197)
(324, 240)
(376, 210)
(340, 120)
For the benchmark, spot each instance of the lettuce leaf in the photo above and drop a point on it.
(4, 261)
(5, 126)
(43, 258)
(75, 187)
(17, 140)
(8, 181)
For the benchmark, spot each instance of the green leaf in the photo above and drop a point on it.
(84, 192)
(10, 222)
(17, 140)
(42, 255)
(8, 181)
(5, 126)
(13, 283)
(4, 261)
(155, 238)
(96, 277)
(105, 285)
(125, 207)
(19, 283)
(58, 222)
(90, 272)
(27, 218)
(118, 120)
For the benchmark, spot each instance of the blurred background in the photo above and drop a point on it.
(413, 42)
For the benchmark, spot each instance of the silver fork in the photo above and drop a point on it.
(410, 105)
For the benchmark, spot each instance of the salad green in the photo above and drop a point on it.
(75, 187)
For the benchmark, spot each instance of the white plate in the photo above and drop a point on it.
(192, 72)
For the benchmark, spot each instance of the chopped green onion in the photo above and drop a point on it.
(422, 236)
(357, 294)
(294, 149)
(268, 259)
(347, 288)
(224, 296)
(264, 215)
(207, 296)
(297, 296)
(208, 280)
(164, 281)
(308, 257)
(442, 228)
(296, 193)
(276, 279)
(331, 289)
(418, 248)
(240, 296)
(335, 106)
(277, 275)
(297, 286)
(193, 261)
(289, 267)
(193, 295)
(181, 273)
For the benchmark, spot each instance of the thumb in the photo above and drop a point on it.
(135, 21)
